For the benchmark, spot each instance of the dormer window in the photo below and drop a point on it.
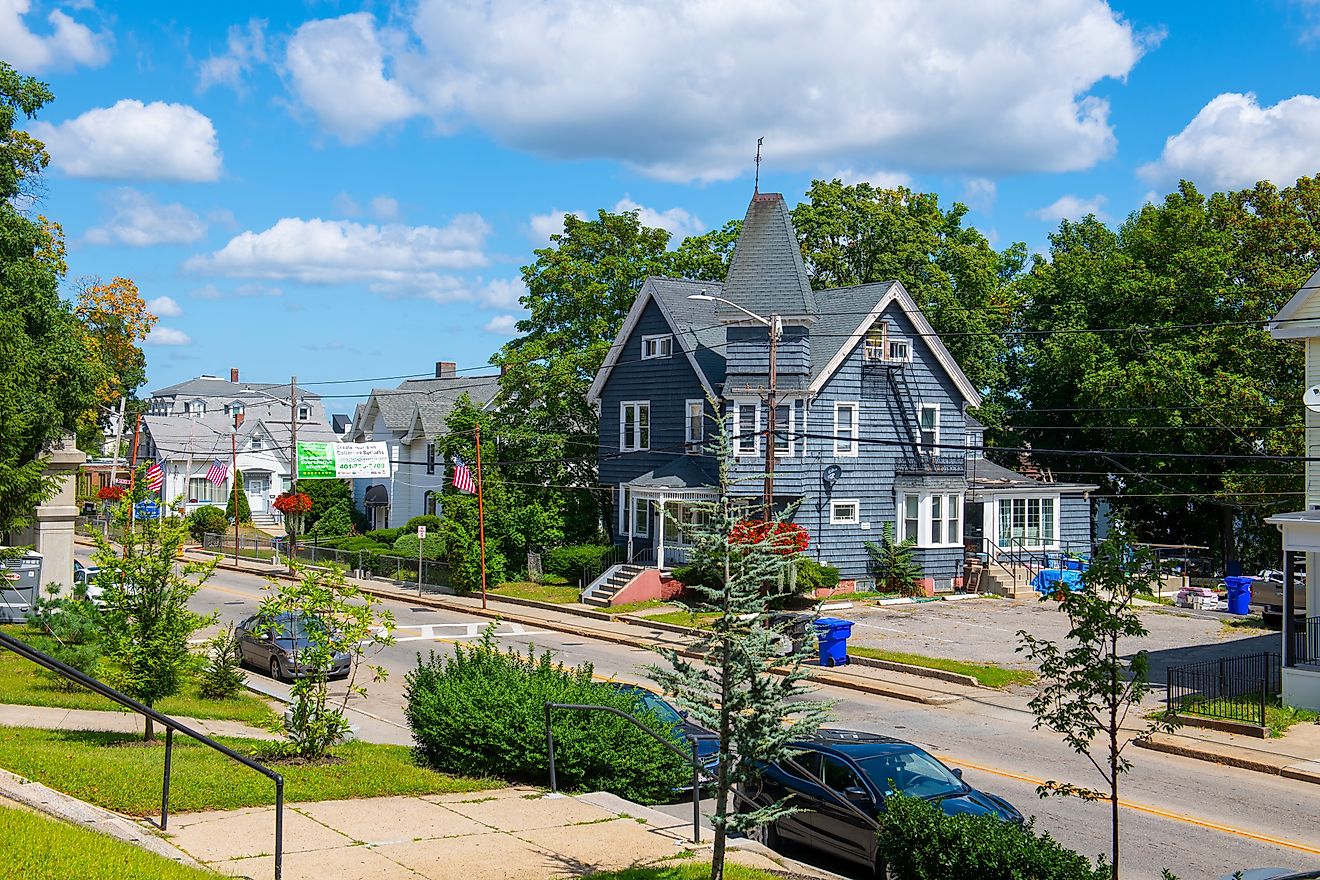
(234, 409)
(304, 413)
(195, 408)
(885, 348)
(655, 347)
(256, 443)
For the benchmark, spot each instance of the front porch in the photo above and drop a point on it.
(1300, 650)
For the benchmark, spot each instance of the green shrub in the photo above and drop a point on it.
(68, 632)
(430, 520)
(895, 563)
(355, 543)
(385, 536)
(695, 576)
(208, 520)
(919, 841)
(482, 712)
(335, 522)
(463, 553)
(433, 547)
(811, 575)
(222, 677)
(244, 510)
(575, 560)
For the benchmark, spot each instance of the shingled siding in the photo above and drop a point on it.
(1075, 523)
(666, 383)
(870, 476)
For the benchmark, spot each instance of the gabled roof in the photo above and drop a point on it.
(213, 386)
(419, 407)
(1300, 315)
(894, 293)
(699, 334)
(766, 274)
(841, 308)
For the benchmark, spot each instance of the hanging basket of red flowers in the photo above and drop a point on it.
(784, 538)
(110, 493)
(293, 503)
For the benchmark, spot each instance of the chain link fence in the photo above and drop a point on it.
(433, 574)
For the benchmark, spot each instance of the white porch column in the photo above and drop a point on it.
(660, 546)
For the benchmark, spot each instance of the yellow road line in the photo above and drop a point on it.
(1153, 811)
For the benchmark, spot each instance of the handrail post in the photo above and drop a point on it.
(279, 828)
(550, 748)
(165, 787)
(696, 795)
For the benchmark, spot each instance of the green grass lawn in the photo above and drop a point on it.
(555, 594)
(114, 771)
(685, 618)
(1278, 717)
(987, 674)
(634, 607)
(37, 847)
(22, 682)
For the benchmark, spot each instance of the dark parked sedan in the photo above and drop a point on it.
(860, 770)
(707, 741)
(278, 648)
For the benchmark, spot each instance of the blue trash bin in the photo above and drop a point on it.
(832, 637)
(1239, 594)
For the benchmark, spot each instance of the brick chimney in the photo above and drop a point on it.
(238, 419)
(446, 369)
(233, 375)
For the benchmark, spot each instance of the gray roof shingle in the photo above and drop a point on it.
(766, 274)
(695, 322)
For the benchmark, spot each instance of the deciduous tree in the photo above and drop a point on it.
(116, 319)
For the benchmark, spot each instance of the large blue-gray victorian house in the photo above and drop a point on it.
(871, 425)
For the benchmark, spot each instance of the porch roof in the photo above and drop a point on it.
(985, 476)
(684, 479)
(1301, 530)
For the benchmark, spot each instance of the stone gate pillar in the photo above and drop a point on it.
(52, 530)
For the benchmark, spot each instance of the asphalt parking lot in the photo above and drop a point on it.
(985, 630)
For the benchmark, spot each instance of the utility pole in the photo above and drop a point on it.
(481, 519)
(132, 470)
(233, 475)
(293, 462)
(776, 328)
(114, 461)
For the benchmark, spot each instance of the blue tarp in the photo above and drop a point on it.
(1047, 579)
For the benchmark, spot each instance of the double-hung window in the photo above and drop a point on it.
(747, 428)
(694, 425)
(932, 519)
(634, 514)
(784, 430)
(634, 426)
(845, 429)
(430, 458)
(654, 347)
(930, 426)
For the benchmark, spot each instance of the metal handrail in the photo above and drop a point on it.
(23, 649)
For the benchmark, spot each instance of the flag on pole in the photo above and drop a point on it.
(155, 476)
(217, 473)
(463, 477)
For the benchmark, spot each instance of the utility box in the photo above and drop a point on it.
(20, 587)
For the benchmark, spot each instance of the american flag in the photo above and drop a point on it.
(155, 476)
(463, 477)
(217, 473)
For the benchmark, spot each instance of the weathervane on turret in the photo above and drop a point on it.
(756, 185)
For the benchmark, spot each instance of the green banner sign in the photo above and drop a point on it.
(316, 461)
(329, 461)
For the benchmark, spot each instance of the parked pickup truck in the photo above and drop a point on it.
(1267, 591)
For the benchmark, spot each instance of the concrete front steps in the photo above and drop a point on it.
(1013, 584)
(614, 579)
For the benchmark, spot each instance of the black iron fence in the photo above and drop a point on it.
(1231, 688)
(428, 573)
(1306, 641)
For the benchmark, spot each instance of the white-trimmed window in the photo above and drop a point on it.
(932, 519)
(430, 458)
(1028, 522)
(784, 429)
(659, 346)
(929, 421)
(641, 517)
(304, 412)
(634, 426)
(747, 428)
(845, 428)
(625, 498)
(845, 512)
(899, 350)
(881, 346)
(256, 442)
(694, 425)
(200, 489)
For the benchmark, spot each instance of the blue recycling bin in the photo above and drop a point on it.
(832, 638)
(1239, 594)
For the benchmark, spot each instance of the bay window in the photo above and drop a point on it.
(932, 519)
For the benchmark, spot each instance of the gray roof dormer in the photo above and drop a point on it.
(767, 275)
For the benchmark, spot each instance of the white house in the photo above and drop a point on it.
(408, 419)
(1299, 320)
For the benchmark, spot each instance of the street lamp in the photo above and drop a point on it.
(776, 328)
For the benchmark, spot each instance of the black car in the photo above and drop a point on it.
(707, 741)
(861, 770)
(277, 647)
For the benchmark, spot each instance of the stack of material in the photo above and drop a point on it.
(1200, 598)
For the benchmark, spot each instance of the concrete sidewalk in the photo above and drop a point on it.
(50, 718)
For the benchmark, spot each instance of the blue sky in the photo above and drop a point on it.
(344, 191)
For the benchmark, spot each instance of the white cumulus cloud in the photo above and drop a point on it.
(68, 43)
(503, 293)
(138, 220)
(155, 141)
(245, 47)
(384, 208)
(1071, 207)
(681, 89)
(390, 257)
(164, 307)
(878, 178)
(1234, 142)
(167, 336)
(338, 69)
(502, 325)
(678, 222)
(542, 226)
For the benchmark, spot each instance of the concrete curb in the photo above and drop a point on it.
(1286, 766)
(54, 803)
(924, 671)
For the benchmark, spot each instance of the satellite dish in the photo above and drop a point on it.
(833, 472)
(1311, 398)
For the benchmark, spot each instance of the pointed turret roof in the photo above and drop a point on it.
(766, 274)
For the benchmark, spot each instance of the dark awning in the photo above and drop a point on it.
(377, 495)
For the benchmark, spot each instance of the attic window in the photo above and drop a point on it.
(256, 442)
(304, 413)
(881, 346)
(654, 347)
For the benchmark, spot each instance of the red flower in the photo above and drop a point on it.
(784, 538)
(293, 503)
(110, 493)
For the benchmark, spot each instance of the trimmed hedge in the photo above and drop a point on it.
(385, 536)
(335, 522)
(209, 520)
(481, 712)
(433, 547)
(919, 841)
(430, 520)
(811, 575)
(574, 560)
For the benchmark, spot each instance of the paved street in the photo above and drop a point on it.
(1200, 820)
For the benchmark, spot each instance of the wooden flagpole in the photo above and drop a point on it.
(481, 519)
